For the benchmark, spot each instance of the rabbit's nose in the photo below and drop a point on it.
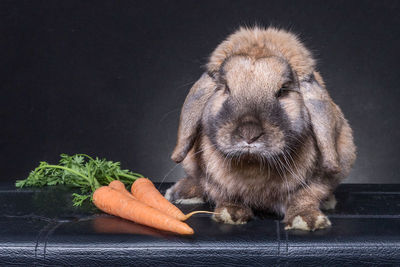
(250, 132)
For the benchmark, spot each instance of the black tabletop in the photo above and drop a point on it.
(40, 226)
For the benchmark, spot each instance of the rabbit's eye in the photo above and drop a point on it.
(224, 89)
(282, 92)
(227, 90)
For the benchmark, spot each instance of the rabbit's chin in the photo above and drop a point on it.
(251, 155)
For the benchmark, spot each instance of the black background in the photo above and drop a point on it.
(109, 78)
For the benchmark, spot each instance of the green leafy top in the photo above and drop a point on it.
(80, 171)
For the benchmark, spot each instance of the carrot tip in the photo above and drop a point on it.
(187, 216)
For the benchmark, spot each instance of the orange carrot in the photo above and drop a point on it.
(119, 186)
(145, 191)
(116, 203)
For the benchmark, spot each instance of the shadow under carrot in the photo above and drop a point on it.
(116, 225)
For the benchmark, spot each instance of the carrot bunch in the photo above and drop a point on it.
(103, 182)
(145, 205)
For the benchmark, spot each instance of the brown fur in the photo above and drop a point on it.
(259, 43)
(247, 144)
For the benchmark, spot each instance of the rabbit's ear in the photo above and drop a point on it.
(191, 114)
(325, 119)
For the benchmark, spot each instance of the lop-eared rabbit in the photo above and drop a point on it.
(259, 131)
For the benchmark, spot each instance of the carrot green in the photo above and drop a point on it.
(80, 171)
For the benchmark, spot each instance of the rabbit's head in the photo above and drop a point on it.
(256, 109)
(249, 102)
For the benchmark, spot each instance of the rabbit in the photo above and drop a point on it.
(259, 131)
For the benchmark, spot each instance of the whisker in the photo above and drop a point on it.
(177, 164)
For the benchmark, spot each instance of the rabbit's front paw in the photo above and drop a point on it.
(185, 191)
(307, 221)
(232, 214)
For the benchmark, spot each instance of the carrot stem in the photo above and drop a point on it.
(64, 168)
(89, 157)
(134, 176)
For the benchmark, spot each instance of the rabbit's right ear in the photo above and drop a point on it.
(191, 113)
(325, 117)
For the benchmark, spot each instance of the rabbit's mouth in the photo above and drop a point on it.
(249, 156)
(250, 153)
(259, 152)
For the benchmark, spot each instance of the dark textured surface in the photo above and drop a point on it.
(108, 78)
(40, 226)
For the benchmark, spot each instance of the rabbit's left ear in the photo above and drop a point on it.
(325, 119)
(191, 113)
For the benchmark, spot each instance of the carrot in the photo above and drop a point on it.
(145, 191)
(119, 186)
(116, 203)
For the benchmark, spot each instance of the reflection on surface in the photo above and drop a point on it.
(115, 225)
